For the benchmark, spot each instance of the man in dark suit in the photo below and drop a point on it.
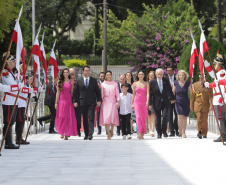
(160, 94)
(122, 80)
(50, 97)
(172, 123)
(87, 95)
(99, 81)
(78, 108)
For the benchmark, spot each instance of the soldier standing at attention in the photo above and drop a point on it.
(219, 65)
(200, 104)
(8, 78)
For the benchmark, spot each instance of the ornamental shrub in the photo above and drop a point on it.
(74, 63)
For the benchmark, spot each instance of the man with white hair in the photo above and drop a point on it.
(160, 94)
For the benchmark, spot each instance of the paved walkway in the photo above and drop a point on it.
(172, 161)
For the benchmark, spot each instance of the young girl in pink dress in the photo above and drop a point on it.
(65, 122)
(109, 110)
(140, 101)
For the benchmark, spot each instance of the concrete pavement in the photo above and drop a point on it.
(48, 160)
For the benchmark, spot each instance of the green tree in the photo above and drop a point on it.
(60, 16)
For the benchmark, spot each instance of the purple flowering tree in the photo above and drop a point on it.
(157, 38)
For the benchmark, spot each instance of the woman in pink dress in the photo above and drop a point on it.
(65, 122)
(109, 110)
(140, 100)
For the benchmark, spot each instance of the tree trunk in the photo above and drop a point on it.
(219, 37)
(192, 5)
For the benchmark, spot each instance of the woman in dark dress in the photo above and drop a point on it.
(182, 105)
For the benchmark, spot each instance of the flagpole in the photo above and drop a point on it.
(211, 63)
(215, 115)
(31, 120)
(7, 54)
(9, 48)
(25, 116)
(14, 106)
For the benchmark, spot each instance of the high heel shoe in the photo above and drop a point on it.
(66, 138)
(61, 137)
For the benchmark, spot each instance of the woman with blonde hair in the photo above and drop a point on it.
(151, 114)
(182, 105)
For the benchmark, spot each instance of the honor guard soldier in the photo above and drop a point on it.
(22, 104)
(200, 104)
(219, 64)
(8, 78)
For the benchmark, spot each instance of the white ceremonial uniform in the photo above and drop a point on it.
(217, 99)
(8, 78)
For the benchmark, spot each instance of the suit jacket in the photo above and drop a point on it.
(86, 96)
(50, 95)
(156, 96)
(129, 89)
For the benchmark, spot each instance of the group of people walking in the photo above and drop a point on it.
(156, 100)
(152, 102)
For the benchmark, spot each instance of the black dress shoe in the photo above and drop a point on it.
(159, 136)
(204, 136)
(218, 140)
(172, 135)
(11, 146)
(177, 133)
(86, 137)
(23, 142)
(165, 135)
(98, 133)
(199, 135)
(118, 133)
(79, 134)
(40, 122)
(53, 132)
(90, 137)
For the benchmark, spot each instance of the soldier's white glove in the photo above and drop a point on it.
(21, 85)
(206, 84)
(40, 89)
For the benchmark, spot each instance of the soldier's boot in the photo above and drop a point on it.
(8, 139)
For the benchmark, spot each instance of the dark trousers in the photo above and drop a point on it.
(172, 123)
(7, 110)
(19, 122)
(98, 121)
(221, 116)
(88, 113)
(53, 116)
(78, 118)
(125, 122)
(120, 123)
(161, 119)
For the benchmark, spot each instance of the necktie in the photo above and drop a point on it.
(171, 81)
(86, 82)
(160, 86)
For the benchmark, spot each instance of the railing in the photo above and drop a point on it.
(212, 125)
(36, 127)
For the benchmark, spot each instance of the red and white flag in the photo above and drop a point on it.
(18, 39)
(194, 54)
(37, 56)
(44, 60)
(53, 62)
(203, 49)
(209, 69)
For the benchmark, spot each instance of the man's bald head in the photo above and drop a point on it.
(122, 79)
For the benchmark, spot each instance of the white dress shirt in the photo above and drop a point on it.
(85, 80)
(125, 104)
(160, 81)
